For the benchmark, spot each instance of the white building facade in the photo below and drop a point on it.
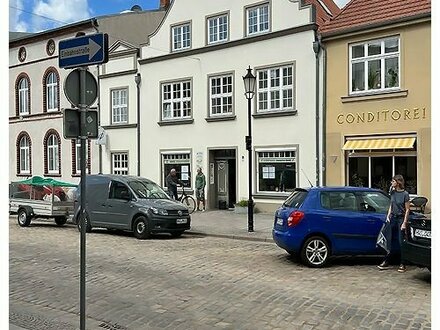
(193, 110)
(36, 100)
(36, 94)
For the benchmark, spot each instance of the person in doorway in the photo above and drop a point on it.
(200, 189)
(398, 213)
(173, 182)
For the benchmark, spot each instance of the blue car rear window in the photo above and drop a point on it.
(296, 199)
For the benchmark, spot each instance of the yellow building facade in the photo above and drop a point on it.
(378, 106)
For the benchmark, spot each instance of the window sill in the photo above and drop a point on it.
(116, 126)
(220, 118)
(276, 195)
(175, 122)
(54, 175)
(374, 96)
(275, 114)
(25, 175)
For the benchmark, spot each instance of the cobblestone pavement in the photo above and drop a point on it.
(197, 282)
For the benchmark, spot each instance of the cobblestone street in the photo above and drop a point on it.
(197, 282)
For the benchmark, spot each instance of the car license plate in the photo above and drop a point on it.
(280, 221)
(180, 221)
(422, 233)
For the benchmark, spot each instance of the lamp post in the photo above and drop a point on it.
(137, 79)
(249, 88)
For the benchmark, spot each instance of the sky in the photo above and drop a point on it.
(39, 15)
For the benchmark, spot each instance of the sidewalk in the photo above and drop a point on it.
(226, 223)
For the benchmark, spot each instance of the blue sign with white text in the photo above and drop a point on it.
(83, 51)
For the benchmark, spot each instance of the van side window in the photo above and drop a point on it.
(118, 190)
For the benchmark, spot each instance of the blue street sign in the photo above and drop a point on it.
(83, 51)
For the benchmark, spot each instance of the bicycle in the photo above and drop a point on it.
(187, 200)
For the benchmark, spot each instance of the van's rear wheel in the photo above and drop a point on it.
(141, 228)
(60, 221)
(24, 219)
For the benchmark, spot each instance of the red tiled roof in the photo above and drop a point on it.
(322, 14)
(359, 13)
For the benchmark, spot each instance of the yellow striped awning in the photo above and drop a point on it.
(375, 144)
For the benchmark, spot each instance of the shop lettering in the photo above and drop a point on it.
(381, 116)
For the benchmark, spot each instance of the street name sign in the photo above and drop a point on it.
(82, 51)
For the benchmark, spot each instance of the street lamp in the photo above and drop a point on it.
(137, 80)
(249, 88)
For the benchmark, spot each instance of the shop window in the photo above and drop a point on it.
(376, 171)
(277, 171)
(181, 162)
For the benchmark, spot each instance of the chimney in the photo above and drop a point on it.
(164, 4)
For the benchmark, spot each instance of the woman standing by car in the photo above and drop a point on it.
(398, 217)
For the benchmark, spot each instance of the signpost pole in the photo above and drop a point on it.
(83, 137)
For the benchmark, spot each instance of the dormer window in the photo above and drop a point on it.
(181, 37)
(257, 18)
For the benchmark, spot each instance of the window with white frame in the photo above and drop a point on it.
(120, 163)
(23, 97)
(277, 170)
(52, 154)
(218, 29)
(181, 36)
(375, 65)
(221, 100)
(275, 88)
(176, 100)
(24, 155)
(181, 162)
(52, 92)
(119, 106)
(257, 19)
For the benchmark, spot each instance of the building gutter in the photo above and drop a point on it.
(324, 112)
(320, 117)
(137, 79)
(316, 49)
(366, 28)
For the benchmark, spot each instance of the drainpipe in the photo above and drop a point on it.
(137, 79)
(324, 112)
(95, 25)
(316, 49)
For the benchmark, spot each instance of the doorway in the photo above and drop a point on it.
(222, 178)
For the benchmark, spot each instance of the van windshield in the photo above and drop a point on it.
(147, 189)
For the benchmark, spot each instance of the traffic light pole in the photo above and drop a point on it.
(83, 138)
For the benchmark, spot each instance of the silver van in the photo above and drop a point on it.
(131, 203)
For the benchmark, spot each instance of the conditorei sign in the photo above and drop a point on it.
(381, 116)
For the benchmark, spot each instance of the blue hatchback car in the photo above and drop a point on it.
(318, 222)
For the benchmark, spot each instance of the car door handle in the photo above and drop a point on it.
(371, 220)
(109, 205)
(326, 218)
(103, 205)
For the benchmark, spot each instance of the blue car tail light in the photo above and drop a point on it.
(295, 218)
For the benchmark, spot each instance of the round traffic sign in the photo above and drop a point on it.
(73, 91)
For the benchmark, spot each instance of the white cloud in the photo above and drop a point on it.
(53, 13)
(341, 3)
(16, 21)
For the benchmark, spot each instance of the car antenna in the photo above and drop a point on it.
(311, 185)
